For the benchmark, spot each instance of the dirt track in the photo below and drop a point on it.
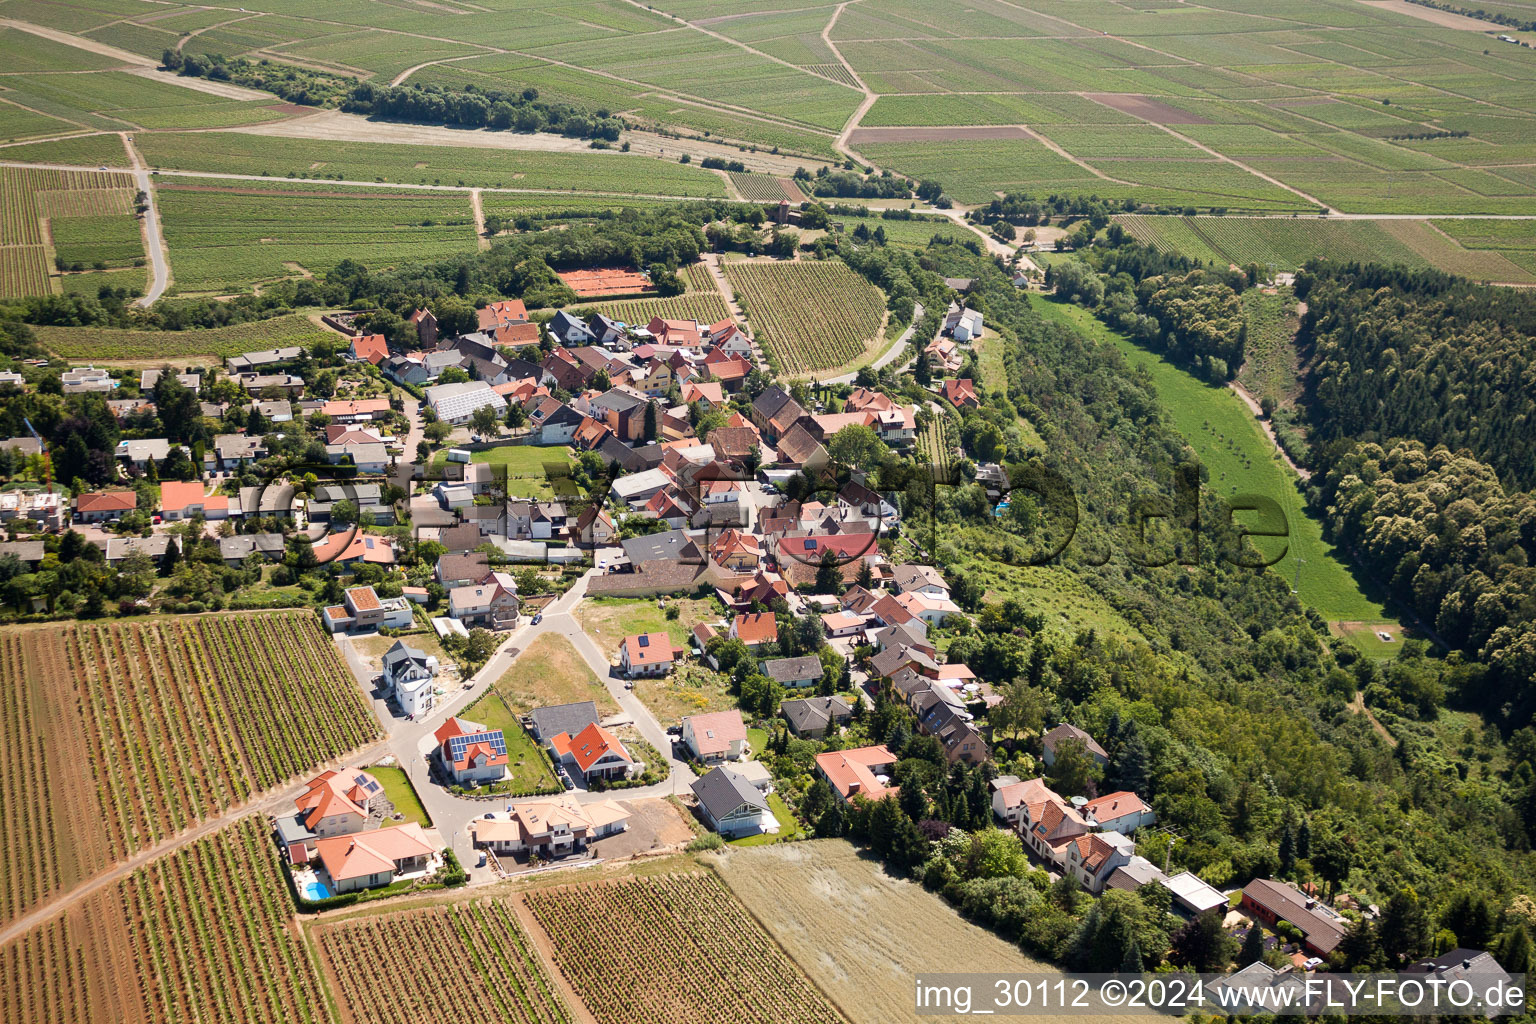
(1445, 19)
(948, 133)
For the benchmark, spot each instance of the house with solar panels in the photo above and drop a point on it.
(334, 803)
(471, 753)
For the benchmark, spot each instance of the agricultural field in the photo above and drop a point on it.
(706, 306)
(167, 721)
(117, 101)
(1238, 458)
(812, 316)
(702, 956)
(461, 961)
(458, 166)
(231, 238)
(861, 934)
(217, 343)
(204, 933)
(759, 188)
(85, 216)
(1284, 244)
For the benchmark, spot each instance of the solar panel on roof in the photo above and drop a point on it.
(645, 641)
(495, 740)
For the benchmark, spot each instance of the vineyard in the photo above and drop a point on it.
(701, 954)
(700, 302)
(114, 343)
(116, 737)
(812, 316)
(90, 211)
(202, 934)
(456, 962)
(758, 188)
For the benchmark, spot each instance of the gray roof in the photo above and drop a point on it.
(122, 547)
(563, 718)
(655, 547)
(26, 550)
(402, 652)
(243, 544)
(1066, 731)
(291, 829)
(785, 669)
(722, 791)
(811, 713)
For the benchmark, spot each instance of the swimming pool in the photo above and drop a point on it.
(315, 891)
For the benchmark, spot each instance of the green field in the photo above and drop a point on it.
(812, 316)
(88, 343)
(1270, 368)
(1363, 108)
(529, 468)
(221, 240)
(428, 165)
(1238, 458)
(1284, 244)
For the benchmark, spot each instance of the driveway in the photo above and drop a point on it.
(891, 354)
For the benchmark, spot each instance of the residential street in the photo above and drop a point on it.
(891, 354)
(412, 742)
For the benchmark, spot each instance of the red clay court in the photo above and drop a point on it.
(592, 284)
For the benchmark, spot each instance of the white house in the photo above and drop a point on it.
(647, 654)
(1122, 812)
(408, 672)
(594, 752)
(364, 609)
(721, 736)
(470, 752)
(553, 827)
(731, 805)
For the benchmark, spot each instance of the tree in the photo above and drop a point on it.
(816, 801)
(171, 558)
(857, 447)
(1022, 710)
(651, 417)
(1133, 766)
(1405, 931)
(344, 513)
(829, 574)
(1253, 946)
(484, 421)
(1204, 944)
(1075, 770)
(437, 431)
(1332, 859)
(833, 823)
(480, 645)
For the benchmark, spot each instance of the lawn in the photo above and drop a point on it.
(402, 795)
(528, 766)
(611, 619)
(530, 468)
(789, 826)
(1238, 458)
(551, 672)
(691, 689)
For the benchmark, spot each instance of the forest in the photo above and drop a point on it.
(1232, 701)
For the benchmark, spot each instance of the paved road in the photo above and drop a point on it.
(412, 742)
(154, 240)
(892, 352)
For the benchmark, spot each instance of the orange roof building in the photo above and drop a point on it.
(755, 628)
(594, 751)
(497, 314)
(648, 654)
(337, 802)
(369, 859)
(862, 771)
(470, 752)
(370, 348)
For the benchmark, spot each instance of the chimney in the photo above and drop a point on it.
(855, 787)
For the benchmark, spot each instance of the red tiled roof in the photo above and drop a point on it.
(850, 771)
(371, 347)
(371, 853)
(714, 733)
(756, 628)
(176, 495)
(107, 501)
(1115, 805)
(517, 334)
(356, 407)
(590, 746)
(648, 648)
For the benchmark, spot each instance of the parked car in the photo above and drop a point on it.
(538, 618)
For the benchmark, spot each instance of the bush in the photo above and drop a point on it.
(708, 841)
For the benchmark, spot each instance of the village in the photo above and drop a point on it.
(468, 500)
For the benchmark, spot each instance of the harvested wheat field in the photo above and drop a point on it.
(861, 934)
